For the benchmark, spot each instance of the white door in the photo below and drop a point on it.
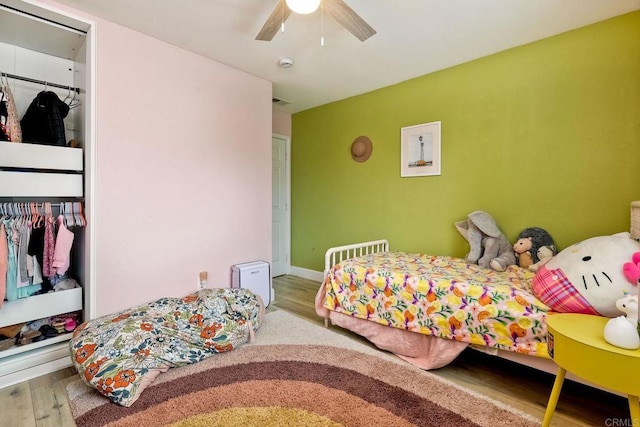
(280, 227)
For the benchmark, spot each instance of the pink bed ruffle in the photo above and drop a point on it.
(423, 351)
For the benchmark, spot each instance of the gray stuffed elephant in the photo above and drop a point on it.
(488, 246)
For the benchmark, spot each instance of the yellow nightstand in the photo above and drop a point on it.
(576, 343)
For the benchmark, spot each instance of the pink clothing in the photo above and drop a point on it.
(13, 122)
(49, 247)
(62, 252)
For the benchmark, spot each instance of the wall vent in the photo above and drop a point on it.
(278, 101)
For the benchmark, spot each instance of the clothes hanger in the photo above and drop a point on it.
(68, 209)
(23, 214)
(15, 216)
(76, 214)
(62, 216)
(66, 98)
(74, 102)
(65, 215)
(79, 209)
(38, 222)
(48, 212)
(40, 211)
(32, 213)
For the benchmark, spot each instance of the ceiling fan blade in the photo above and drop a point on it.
(349, 19)
(278, 15)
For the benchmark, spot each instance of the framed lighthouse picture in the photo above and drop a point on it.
(420, 150)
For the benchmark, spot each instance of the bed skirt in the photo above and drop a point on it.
(423, 351)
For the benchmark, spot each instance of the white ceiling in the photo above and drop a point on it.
(414, 37)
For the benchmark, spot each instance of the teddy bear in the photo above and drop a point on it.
(545, 253)
(522, 249)
(489, 248)
(529, 241)
(588, 276)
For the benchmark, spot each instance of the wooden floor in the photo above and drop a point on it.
(508, 382)
(43, 401)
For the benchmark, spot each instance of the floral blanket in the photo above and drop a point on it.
(121, 354)
(442, 296)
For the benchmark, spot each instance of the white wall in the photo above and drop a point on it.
(183, 173)
(281, 123)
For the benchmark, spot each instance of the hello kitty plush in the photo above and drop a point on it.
(588, 277)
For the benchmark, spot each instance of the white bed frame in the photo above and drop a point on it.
(338, 254)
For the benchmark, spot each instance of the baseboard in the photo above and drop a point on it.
(305, 273)
(32, 364)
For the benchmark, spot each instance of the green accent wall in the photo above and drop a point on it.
(546, 134)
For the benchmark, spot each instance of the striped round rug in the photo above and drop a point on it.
(297, 373)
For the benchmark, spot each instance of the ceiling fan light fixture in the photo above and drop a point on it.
(303, 6)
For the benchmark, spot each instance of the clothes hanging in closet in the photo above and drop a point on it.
(15, 287)
(36, 251)
(35, 255)
(9, 123)
(43, 123)
(4, 260)
(4, 113)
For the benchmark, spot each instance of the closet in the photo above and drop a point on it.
(45, 50)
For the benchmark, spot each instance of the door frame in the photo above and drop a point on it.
(287, 227)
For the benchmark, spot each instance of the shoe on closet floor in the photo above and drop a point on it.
(48, 331)
(28, 337)
(6, 342)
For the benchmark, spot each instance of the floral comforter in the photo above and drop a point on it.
(121, 354)
(442, 296)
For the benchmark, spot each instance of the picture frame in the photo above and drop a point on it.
(420, 148)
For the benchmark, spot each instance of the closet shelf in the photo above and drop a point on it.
(17, 349)
(38, 306)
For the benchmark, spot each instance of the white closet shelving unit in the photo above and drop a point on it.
(46, 44)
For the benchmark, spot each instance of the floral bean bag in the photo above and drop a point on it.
(121, 354)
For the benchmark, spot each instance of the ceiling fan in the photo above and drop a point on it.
(338, 10)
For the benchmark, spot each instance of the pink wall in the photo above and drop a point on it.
(281, 123)
(183, 174)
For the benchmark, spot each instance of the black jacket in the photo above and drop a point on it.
(43, 123)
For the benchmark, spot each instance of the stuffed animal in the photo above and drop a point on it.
(522, 248)
(629, 306)
(622, 331)
(529, 241)
(545, 253)
(587, 277)
(488, 246)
